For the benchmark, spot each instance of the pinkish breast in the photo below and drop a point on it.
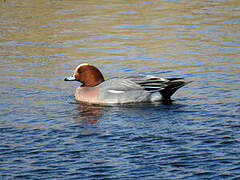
(88, 94)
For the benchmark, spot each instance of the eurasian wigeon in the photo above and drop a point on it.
(130, 89)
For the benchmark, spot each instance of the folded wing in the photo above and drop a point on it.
(150, 84)
(166, 86)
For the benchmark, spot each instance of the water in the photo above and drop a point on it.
(45, 134)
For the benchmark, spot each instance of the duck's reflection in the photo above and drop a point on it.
(92, 114)
(88, 113)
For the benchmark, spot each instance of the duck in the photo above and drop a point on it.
(94, 89)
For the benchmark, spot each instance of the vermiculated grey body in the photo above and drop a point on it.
(139, 89)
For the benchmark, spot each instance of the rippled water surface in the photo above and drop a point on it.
(45, 134)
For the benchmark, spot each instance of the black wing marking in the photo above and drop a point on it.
(166, 86)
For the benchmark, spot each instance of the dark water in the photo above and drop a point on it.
(45, 134)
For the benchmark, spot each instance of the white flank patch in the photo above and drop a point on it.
(156, 96)
(115, 91)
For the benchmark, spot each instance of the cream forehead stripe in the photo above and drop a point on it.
(83, 64)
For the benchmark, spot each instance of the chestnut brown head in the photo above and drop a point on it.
(87, 74)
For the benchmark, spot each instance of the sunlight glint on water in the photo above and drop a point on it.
(45, 134)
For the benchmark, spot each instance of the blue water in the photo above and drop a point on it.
(46, 134)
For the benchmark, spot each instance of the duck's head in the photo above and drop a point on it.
(87, 74)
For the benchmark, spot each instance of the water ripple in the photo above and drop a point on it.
(45, 134)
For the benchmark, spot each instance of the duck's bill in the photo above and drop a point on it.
(70, 78)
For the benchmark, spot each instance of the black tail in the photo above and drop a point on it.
(171, 87)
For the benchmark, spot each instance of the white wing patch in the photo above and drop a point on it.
(161, 79)
(115, 91)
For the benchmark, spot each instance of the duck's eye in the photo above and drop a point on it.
(80, 71)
